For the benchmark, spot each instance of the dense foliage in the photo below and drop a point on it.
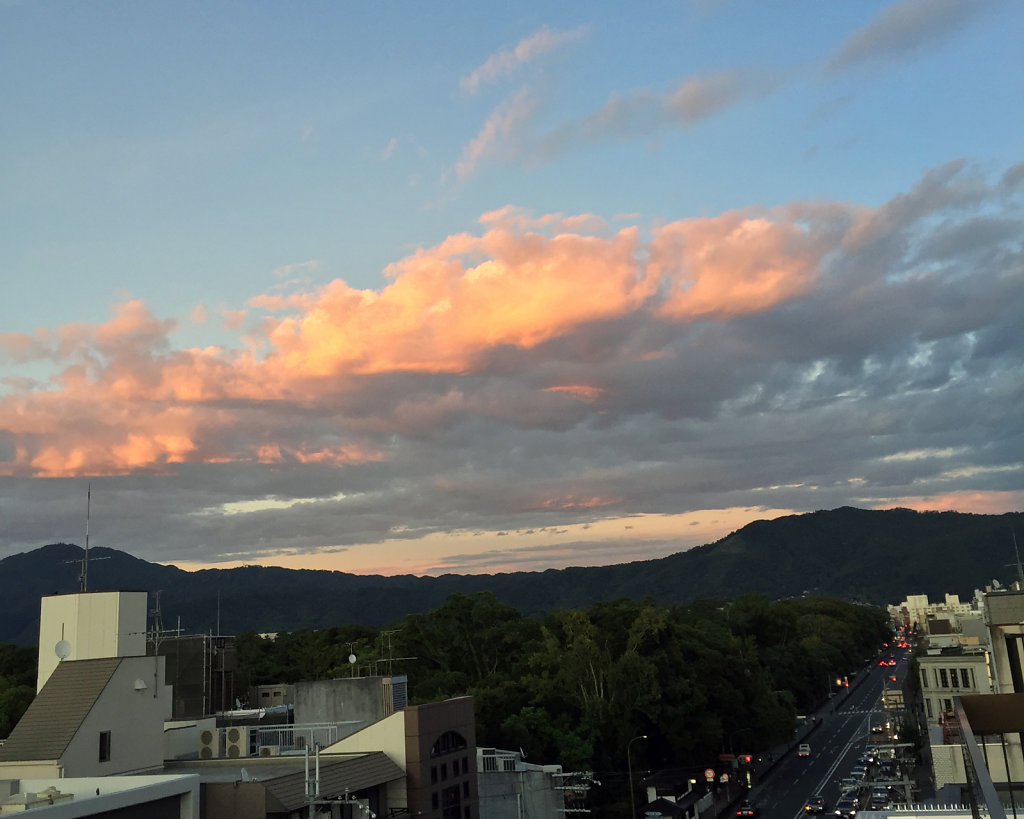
(17, 684)
(576, 685)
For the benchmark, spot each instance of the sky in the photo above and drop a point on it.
(426, 288)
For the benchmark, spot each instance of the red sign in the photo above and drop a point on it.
(709, 774)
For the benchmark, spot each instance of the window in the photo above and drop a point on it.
(444, 770)
(928, 707)
(948, 705)
(465, 765)
(965, 678)
(943, 678)
(449, 742)
(465, 788)
(924, 678)
(954, 678)
(433, 774)
(104, 746)
(434, 800)
(451, 803)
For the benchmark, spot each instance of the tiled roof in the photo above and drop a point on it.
(287, 793)
(57, 712)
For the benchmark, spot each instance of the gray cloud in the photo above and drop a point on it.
(897, 374)
(904, 28)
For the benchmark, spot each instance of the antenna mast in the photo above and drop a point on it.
(1016, 551)
(83, 578)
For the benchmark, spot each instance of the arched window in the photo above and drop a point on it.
(449, 742)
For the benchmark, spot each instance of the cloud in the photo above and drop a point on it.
(642, 112)
(388, 149)
(500, 133)
(548, 370)
(504, 63)
(902, 29)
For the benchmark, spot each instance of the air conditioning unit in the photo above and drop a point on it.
(209, 743)
(270, 750)
(236, 742)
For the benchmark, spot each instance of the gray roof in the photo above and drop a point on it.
(57, 712)
(287, 793)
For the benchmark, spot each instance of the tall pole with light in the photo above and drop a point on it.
(629, 763)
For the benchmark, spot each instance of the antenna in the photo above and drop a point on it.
(83, 578)
(1020, 569)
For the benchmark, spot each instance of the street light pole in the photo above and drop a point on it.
(629, 763)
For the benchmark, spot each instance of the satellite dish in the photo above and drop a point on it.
(62, 649)
(352, 659)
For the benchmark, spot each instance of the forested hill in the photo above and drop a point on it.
(873, 556)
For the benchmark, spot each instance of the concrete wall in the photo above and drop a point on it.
(512, 795)
(235, 800)
(94, 625)
(134, 716)
(355, 700)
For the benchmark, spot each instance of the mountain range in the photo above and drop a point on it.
(874, 556)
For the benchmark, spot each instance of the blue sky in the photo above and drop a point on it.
(665, 241)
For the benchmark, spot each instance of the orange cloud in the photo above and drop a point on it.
(732, 264)
(581, 391)
(126, 401)
(978, 503)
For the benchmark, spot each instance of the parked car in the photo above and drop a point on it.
(803, 750)
(879, 798)
(816, 804)
(878, 728)
(846, 807)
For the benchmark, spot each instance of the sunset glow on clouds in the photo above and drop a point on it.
(548, 382)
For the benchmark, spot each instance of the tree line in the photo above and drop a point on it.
(574, 686)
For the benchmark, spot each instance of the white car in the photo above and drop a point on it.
(803, 750)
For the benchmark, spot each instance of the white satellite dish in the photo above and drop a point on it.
(62, 649)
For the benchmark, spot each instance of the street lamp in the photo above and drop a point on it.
(629, 763)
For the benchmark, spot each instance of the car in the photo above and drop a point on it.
(803, 750)
(878, 728)
(879, 798)
(746, 809)
(859, 771)
(849, 785)
(816, 804)
(846, 807)
(892, 678)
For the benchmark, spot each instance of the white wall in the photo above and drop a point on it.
(134, 717)
(94, 624)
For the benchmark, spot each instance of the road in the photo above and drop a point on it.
(835, 744)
